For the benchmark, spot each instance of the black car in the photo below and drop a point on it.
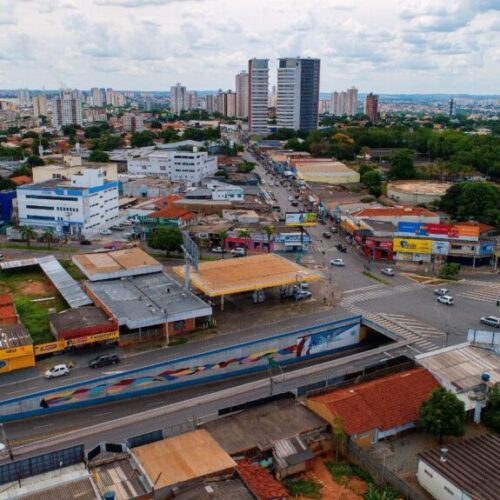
(85, 242)
(327, 235)
(341, 248)
(105, 360)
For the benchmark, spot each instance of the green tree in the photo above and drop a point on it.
(7, 184)
(338, 435)
(106, 142)
(245, 166)
(269, 231)
(166, 238)
(35, 161)
(372, 180)
(443, 414)
(156, 124)
(142, 139)
(98, 156)
(27, 234)
(245, 234)
(169, 135)
(449, 270)
(222, 235)
(48, 237)
(491, 416)
(402, 165)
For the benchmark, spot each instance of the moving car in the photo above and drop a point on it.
(294, 203)
(302, 294)
(217, 250)
(291, 198)
(446, 299)
(441, 291)
(57, 371)
(104, 360)
(491, 321)
(327, 235)
(337, 262)
(341, 248)
(115, 228)
(387, 271)
(334, 230)
(105, 232)
(85, 242)
(238, 251)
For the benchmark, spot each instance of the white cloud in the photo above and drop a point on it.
(393, 46)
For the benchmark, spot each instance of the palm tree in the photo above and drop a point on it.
(222, 235)
(27, 234)
(244, 233)
(269, 231)
(48, 237)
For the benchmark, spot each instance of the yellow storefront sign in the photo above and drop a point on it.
(47, 348)
(412, 245)
(15, 352)
(98, 337)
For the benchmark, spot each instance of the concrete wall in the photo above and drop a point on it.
(230, 361)
(437, 485)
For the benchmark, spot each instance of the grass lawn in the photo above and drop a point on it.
(72, 269)
(27, 284)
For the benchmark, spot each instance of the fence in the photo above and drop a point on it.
(380, 473)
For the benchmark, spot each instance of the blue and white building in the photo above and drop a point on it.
(80, 206)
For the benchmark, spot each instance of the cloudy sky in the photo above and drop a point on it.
(385, 46)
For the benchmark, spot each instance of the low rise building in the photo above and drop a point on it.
(80, 206)
(66, 166)
(417, 192)
(175, 165)
(323, 170)
(222, 191)
(16, 348)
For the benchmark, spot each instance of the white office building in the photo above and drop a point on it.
(176, 166)
(258, 88)
(82, 205)
(226, 192)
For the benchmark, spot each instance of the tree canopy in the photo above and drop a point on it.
(166, 238)
(98, 156)
(402, 165)
(491, 416)
(142, 139)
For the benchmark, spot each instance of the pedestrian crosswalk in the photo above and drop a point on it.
(483, 291)
(422, 337)
(377, 291)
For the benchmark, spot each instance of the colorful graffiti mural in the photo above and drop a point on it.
(103, 390)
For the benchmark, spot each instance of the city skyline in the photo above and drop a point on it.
(435, 47)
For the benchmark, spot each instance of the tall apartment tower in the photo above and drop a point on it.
(352, 101)
(225, 103)
(66, 110)
(242, 95)
(298, 93)
(39, 106)
(258, 89)
(178, 98)
(98, 97)
(371, 107)
(191, 99)
(24, 97)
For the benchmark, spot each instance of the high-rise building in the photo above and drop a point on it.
(133, 122)
(345, 102)
(210, 103)
(192, 99)
(98, 97)
(258, 89)
(298, 93)
(371, 107)
(178, 99)
(39, 106)
(23, 97)
(242, 95)
(273, 97)
(66, 110)
(225, 103)
(352, 101)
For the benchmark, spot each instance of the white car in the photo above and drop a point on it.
(238, 251)
(337, 262)
(105, 232)
(217, 250)
(57, 371)
(388, 271)
(291, 198)
(446, 299)
(302, 294)
(126, 222)
(441, 291)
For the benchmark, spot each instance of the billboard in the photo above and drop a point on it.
(467, 232)
(440, 247)
(328, 340)
(410, 245)
(445, 231)
(409, 227)
(296, 219)
(485, 248)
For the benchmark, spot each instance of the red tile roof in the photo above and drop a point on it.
(260, 482)
(166, 201)
(383, 403)
(21, 179)
(172, 213)
(5, 299)
(394, 212)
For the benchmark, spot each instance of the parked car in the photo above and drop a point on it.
(441, 291)
(302, 294)
(277, 208)
(115, 228)
(105, 232)
(217, 250)
(341, 248)
(294, 203)
(291, 198)
(1, 256)
(282, 218)
(85, 242)
(446, 299)
(126, 222)
(57, 371)
(104, 360)
(334, 230)
(388, 271)
(337, 262)
(491, 321)
(238, 251)
(327, 235)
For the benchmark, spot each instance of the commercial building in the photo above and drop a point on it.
(417, 192)
(298, 93)
(80, 206)
(16, 348)
(242, 95)
(133, 122)
(39, 106)
(377, 409)
(178, 166)
(465, 469)
(66, 110)
(71, 165)
(178, 99)
(323, 170)
(258, 89)
(371, 107)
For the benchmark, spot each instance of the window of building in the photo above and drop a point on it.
(448, 491)
(428, 473)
